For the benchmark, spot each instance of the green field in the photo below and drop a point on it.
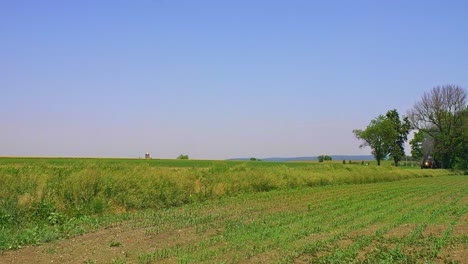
(233, 211)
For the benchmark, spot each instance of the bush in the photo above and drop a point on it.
(322, 158)
(183, 157)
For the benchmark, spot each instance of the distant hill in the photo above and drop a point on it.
(334, 157)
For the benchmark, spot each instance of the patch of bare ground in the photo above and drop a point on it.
(307, 257)
(461, 228)
(438, 197)
(344, 243)
(127, 241)
(416, 251)
(302, 260)
(453, 254)
(314, 237)
(370, 230)
(400, 231)
(266, 257)
(456, 251)
(366, 231)
(289, 204)
(367, 250)
(434, 230)
(102, 246)
(464, 200)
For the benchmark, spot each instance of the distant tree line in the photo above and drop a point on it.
(440, 124)
(322, 158)
(183, 157)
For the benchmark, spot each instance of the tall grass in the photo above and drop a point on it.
(83, 187)
(52, 191)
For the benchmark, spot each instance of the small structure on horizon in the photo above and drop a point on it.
(147, 155)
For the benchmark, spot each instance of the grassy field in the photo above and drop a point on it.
(231, 211)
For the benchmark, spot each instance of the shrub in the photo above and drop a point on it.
(183, 157)
(322, 158)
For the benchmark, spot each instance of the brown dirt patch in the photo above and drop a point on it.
(362, 253)
(266, 257)
(461, 228)
(457, 254)
(102, 246)
(302, 260)
(434, 230)
(344, 243)
(400, 231)
(367, 231)
(317, 237)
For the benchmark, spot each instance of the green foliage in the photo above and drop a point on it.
(322, 158)
(461, 142)
(183, 157)
(440, 115)
(43, 199)
(396, 143)
(377, 136)
(115, 244)
(417, 145)
(386, 135)
(411, 221)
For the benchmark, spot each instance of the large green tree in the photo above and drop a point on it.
(401, 129)
(439, 115)
(461, 142)
(323, 158)
(422, 145)
(417, 145)
(377, 136)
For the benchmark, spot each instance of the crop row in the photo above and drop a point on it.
(37, 195)
(345, 224)
(410, 221)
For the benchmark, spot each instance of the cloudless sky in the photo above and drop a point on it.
(217, 79)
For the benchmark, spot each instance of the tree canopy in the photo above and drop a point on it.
(377, 136)
(397, 140)
(323, 158)
(440, 119)
(182, 156)
(386, 136)
(441, 116)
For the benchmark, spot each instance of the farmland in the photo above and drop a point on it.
(153, 211)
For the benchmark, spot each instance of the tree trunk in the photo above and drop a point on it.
(378, 162)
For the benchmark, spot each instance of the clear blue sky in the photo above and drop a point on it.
(217, 79)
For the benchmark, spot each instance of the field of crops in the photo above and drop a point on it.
(138, 211)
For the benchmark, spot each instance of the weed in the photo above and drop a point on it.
(118, 261)
(115, 244)
(50, 250)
